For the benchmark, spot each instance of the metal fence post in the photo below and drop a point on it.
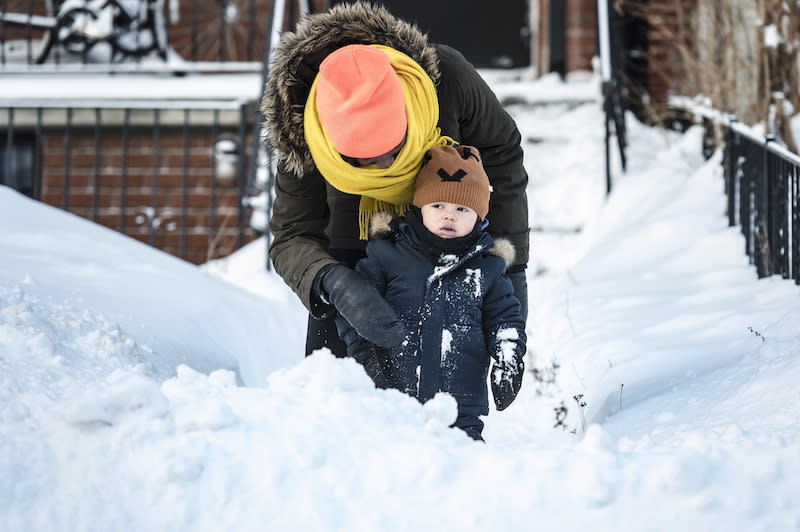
(747, 199)
(776, 215)
(38, 149)
(242, 174)
(606, 73)
(9, 142)
(731, 175)
(794, 224)
(763, 234)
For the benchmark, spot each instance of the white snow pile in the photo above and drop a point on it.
(141, 393)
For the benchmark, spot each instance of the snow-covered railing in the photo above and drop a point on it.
(762, 181)
(173, 174)
(140, 35)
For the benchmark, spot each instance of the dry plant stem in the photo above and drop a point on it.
(214, 244)
(762, 241)
(581, 405)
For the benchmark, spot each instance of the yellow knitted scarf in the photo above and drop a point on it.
(389, 189)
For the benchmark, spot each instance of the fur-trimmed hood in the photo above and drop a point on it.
(380, 226)
(297, 59)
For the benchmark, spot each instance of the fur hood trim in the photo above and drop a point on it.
(297, 59)
(504, 249)
(380, 226)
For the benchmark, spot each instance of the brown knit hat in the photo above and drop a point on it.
(453, 174)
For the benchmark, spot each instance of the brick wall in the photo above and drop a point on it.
(542, 36)
(664, 29)
(665, 70)
(581, 34)
(113, 189)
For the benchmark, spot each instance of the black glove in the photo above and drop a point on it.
(520, 283)
(506, 379)
(362, 306)
(365, 354)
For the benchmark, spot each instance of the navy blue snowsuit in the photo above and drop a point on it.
(459, 311)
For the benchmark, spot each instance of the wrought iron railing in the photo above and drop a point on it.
(762, 181)
(120, 35)
(174, 174)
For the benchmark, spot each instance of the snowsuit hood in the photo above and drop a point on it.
(383, 223)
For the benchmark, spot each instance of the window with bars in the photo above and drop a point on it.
(17, 165)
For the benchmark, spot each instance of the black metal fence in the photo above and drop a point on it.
(763, 187)
(129, 34)
(762, 183)
(176, 175)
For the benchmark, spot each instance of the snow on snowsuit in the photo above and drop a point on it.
(459, 311)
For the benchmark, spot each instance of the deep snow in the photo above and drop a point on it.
(138, 392)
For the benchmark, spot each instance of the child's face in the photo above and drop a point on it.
(448, 220)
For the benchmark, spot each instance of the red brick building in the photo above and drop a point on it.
(645, 32)
(147, 162)
(168, 196)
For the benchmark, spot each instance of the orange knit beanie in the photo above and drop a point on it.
(453, 174)
(360, 101)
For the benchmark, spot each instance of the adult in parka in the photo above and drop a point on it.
(355, 99)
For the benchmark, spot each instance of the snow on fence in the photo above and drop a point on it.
(762, 181)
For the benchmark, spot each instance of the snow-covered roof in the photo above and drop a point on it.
(104, 87)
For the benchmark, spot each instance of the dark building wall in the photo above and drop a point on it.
(489, 34)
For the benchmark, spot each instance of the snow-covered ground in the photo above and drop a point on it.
(140, 393)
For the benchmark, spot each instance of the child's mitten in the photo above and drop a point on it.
(506, 380)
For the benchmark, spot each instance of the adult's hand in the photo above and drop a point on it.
(362, 306)
(365, 354)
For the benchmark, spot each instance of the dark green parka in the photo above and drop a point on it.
(310, 217)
